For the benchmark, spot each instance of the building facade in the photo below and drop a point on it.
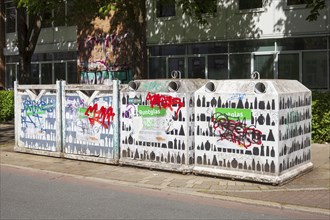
(268, 36)
(55, 56)
(272, 37)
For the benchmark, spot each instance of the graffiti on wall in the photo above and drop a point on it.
(165, 101)
(34, 113)
(89, 121)
(234, 128)
(103, 115)
(38, 118)
(153, 128)
(246, 132)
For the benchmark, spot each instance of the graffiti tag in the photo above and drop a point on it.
(33, 110)
(103, 115)
(164, 101)
(235, 130)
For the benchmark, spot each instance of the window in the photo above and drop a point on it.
(46, 73)
(157, 68)
(196, 67)
(296, 2)
(72, 71)
(249, 4)
(217, 67)
(10, 18)
(165, 8)
(240, 66)
(288, 66)
(176, 64)
(315, 70)
(209, 6)
(264, 64)
(59, 71)
(252, 46)
(11, 70)
(311, 43)
(35, 78)
(207, 48)
(167, 50)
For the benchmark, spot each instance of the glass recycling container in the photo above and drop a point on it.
(257, 130)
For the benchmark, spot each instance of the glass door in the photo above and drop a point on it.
(176, 64)
(264, 64)
(196, 67)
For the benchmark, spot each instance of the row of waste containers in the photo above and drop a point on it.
(254, 129)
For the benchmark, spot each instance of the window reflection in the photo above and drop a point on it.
(217, 67)
(196, 67)
(315, 70)
(165, 8)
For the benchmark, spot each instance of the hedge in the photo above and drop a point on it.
(321, 117)
(6, 105)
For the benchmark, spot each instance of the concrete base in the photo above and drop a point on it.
(38, 152)
(113, 161)
(256, 177)
(158, 165)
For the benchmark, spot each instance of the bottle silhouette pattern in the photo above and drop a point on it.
(262, 119)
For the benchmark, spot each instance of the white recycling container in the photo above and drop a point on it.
(257, 130)
(157, 123)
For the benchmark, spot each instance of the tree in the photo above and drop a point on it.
(31, 15)
(315, 7)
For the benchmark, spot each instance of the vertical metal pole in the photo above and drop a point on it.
(115, 105)
(58, 118)
(16, 113)
(62, 110)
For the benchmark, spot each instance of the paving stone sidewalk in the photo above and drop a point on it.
(309, 192)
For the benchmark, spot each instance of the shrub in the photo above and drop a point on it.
(321, 117)
(6, 105)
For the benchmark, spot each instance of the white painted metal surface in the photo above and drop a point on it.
(253, 129)
(38, 119)
(90, 122)
(157, 124)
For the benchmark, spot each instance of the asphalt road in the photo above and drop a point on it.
(35, 194)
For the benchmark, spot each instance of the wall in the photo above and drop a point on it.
(276, 19)
(51, 39)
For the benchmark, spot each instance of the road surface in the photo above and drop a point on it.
(35, 194)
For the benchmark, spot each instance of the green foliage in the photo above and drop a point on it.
(6, 105)
(321, 117)
(316, 6)
(197, 9)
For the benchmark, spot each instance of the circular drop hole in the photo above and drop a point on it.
(210, 87)
(174, 86)
(133, 85)
(260, 88)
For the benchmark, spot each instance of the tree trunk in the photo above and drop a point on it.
(136, 11)
(25, 68)
(2, 44)
(27, 37)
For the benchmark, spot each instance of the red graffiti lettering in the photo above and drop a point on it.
(102, 116)
(164, 101)
(235, 131)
